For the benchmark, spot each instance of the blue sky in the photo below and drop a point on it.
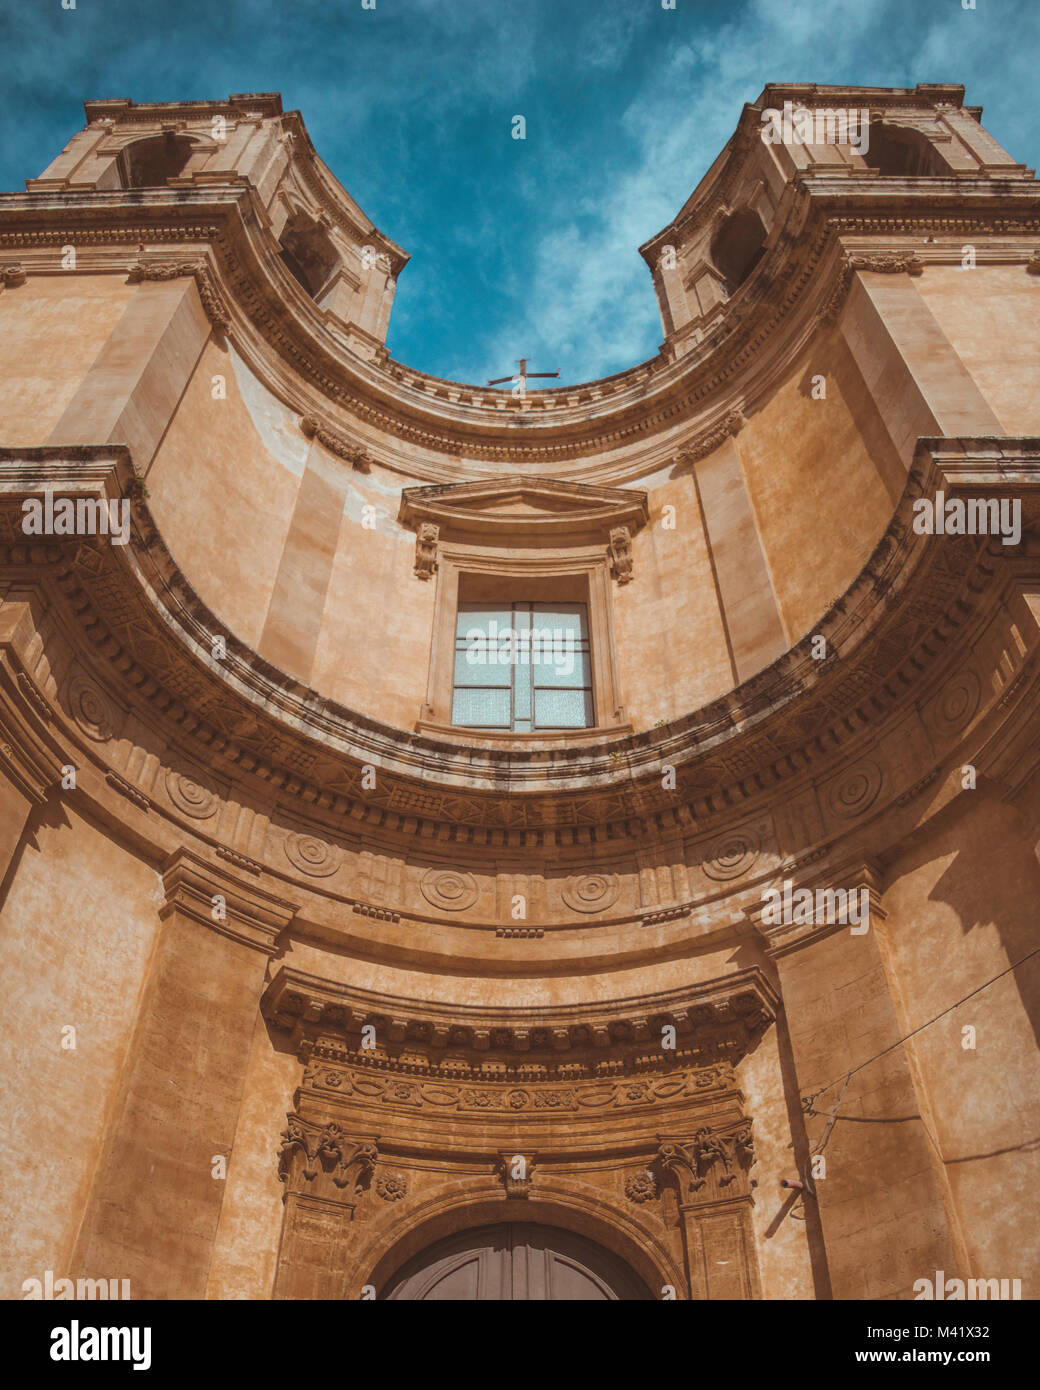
(518, 247)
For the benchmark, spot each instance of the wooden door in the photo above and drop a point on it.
(521, 1261)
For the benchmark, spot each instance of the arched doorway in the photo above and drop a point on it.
(521, 1261)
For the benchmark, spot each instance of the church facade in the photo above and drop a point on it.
(505, 843)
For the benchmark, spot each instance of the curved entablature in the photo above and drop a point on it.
(746, 269)
(889, 639)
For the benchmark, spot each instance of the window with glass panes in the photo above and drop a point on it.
(522, 667)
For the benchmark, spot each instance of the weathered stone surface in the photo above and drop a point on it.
(347, 982)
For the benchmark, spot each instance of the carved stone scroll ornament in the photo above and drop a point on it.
(312, 1151)
(426, 550)
(214, 306)
(620, 553)
(889, 263)
(515, 1170)
(708, 443)
(311, 855)
(358, 458)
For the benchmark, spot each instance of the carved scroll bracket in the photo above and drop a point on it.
(337, 444)
(212, 302)
(515, 1170)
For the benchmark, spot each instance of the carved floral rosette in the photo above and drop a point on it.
(641, 1186)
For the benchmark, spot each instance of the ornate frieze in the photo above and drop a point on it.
(522, 1090)
(881, 263)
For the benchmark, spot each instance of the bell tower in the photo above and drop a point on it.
(247, 147)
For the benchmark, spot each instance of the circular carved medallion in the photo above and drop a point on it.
(311, 855)
(958, 700)
(731, 855)
(189, 795)
(591, 892)
(449, 889)
(855, 791)
(90, 709)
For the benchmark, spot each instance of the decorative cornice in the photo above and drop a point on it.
(724, 1016)
(784, 937)
(122, 110)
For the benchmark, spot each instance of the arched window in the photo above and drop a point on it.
(149, 163)
(308, 253)
(738, 246)
(904, 153)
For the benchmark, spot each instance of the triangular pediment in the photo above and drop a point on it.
(511, 506)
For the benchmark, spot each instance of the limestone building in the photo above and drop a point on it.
(467, 842)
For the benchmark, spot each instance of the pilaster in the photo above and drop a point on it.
(153, 1211)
